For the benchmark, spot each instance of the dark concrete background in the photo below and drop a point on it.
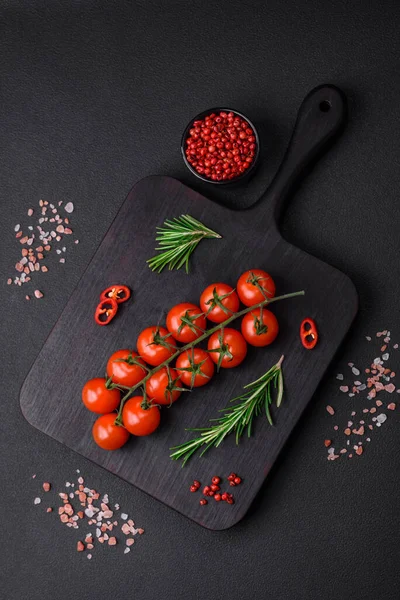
(94, 96)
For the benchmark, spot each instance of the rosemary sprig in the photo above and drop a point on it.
(238, 418)
(178, 238)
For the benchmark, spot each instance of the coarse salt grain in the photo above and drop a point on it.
(37, 501)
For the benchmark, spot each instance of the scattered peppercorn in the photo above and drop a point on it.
(216, 480)
(203, 501)
(193, 488)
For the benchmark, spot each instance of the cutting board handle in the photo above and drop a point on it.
(320, 119)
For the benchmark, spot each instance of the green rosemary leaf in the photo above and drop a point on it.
(239, 417)
(177, 239)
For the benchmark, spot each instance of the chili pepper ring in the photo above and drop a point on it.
(308, 333)
(105, 311)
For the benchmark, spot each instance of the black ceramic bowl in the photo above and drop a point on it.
(240, 178)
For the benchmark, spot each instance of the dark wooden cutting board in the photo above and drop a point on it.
(77, 349)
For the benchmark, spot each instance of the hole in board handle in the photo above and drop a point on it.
(325, 106)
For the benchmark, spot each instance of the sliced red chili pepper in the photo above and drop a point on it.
(106, 311)
(308, 334)
(119, 293)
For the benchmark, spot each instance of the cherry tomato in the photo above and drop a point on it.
(195, 367)
(193, 328)
(98, 398)
(107, 435)
(138, 418)
(254, 286)
(155, 345)
(227, 348)
(162, 389)
(219, 301)
(260, 330)
(122, 368)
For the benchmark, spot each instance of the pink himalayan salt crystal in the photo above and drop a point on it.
(38, 294)
(344, 388)
(390, 388)
(391, 406)
(330, 410)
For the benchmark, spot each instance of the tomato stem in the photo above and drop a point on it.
(201, 338)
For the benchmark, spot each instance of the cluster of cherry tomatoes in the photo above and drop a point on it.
(194, 367)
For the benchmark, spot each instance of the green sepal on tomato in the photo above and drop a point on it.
(195, 367)
(155, 345)
(260, 327)
(140, 417)
(218, 302)
(227, 348)
(186, 322)
(126, 368)
(98, 397)
(107, 434)
(164, 387)
(254, 286)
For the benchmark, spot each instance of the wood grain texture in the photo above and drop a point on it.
(77, 349)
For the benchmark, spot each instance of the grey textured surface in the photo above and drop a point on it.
(94, 96)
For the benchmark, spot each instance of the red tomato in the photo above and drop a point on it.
(228, 348)
(195, 367)
(155, 345)
(161, 389)
(107, 435)
(257, 330)
(185, 333)
(122, 368)
(138, 419)
(97, 398)
(254, 286)
(214, 296)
